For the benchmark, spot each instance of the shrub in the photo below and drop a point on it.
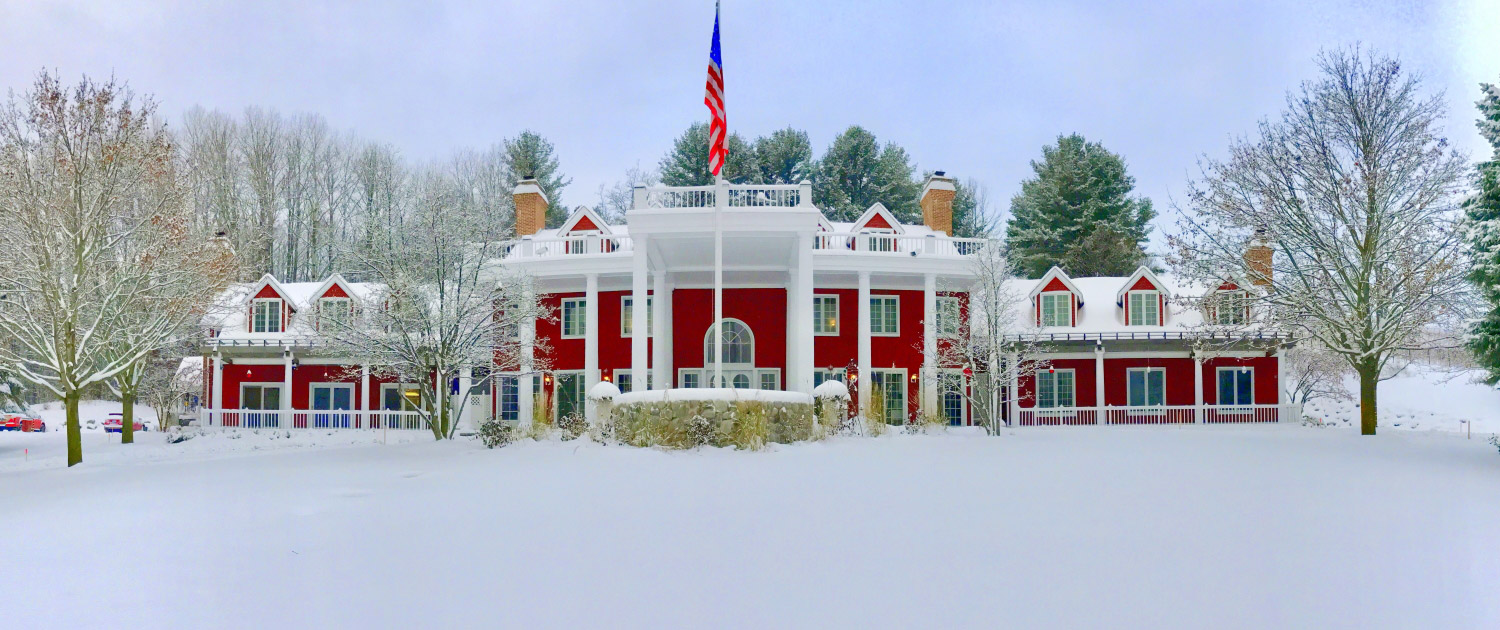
(495, 433)
(1495, 440)
(572, 426)
(684, 424)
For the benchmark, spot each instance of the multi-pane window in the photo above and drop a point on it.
(690, 380)
(625, 380)
(1054, 388)
(1145, 308)
(510, 398)
(947, 316)
(820, 376)
(1145, 387)
(768, 380)
(1057, 309)
(1230, 308)
(334, 314)
(266, 316)
(1236, 386)
(951, 397)
(826, 314)
(739, 345)
(892, 387)
(627, 316)
(569, 394)
(881, 240)
(574, 318)
(885, 315)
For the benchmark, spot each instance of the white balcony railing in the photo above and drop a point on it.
(724, 195)
(304, 419)
(867, 242)
(555, 247)
(1157, 414)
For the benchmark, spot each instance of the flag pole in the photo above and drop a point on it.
(720, 194)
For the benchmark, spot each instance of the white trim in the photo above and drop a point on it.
(870, 213)
(281, 315)
(963, 384)
(281, 387)
(650, 316)
(562, 315)
(318, 309)
(905, 393)
(707, 337)
(401, 388)
(1147, 371)
(1157, 302)
(1036, 387)
(557, 376)
(1244, 307)
(958, 316)
(352, 387)
(1056, 273)
(883, 296)
(566, 229)
(1143, 272)
(837, 329)
(683, 372)
(335, 279)
(1219, 396)
(1041, 316)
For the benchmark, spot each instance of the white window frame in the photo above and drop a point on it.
(1042, 300)
(277, 307)
(281, 387)
(628, 374)
(324, 303)
(708, 345)
(500, 389)
(828, 374)
(885, 242)
(312, 387)
(1219, 395)
(905, 408)
(401, 388)
(1235, 301)
(760, 377)
(819, 320)
(944, 374)
(895, 301)
(1146, 381)
(1154, 301)
(581, 308)
(582, 402)
(627, 316)
(948, 326)
(684, 373)
(1054, 373)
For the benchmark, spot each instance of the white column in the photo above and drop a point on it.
(1013, 365)
(804, 314)
(1197, 388)
(466, 416)
(789, 377)
(1281, 397)
(864, 342)
(286, 391)
(640, 334)
(524, 395)
(929, 345)
(218, 392)
(590, 341)
(1099, 382)
(364, 396)
(661, 337)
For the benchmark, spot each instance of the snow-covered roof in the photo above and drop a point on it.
(1101, 311)
(231, 308)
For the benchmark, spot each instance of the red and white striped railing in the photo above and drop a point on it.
(1156, 414)
(304, 419)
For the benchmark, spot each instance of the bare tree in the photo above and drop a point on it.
(166, 382)
(1358, 192)
(1312, 372)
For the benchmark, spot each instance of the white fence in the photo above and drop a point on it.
(868, 242)
(734, 196)
(303, 419)
(1179, 414)
(567, 246)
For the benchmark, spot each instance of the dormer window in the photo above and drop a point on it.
(1231, 308)
(1144, 307)
(265, 316)
(1056, 309)
(334, 313)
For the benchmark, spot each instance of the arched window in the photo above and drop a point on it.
(739, 344)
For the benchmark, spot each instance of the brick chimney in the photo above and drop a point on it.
(1258, 259)
(531, 207)
(937, 203)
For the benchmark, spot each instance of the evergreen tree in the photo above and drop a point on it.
(687, 163)
(1483, 211)
(856, 172)
(1080, 189)
(784, 157)
(529, 154)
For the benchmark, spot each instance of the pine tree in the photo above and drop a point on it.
(531, 155)
(857, 172)
(784, 157)
(1080, 189)
(1483, 237)
(687, 163)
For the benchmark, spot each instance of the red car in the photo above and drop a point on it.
(115, 423)
(10, 422)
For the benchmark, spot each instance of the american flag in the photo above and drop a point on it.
(714, 99)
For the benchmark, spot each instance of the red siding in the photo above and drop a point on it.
(562, 354)
(236, 374)
(615, 349)
(269, 291)
(1265, 378)
(584, 224)
(1143, 284)
(1178, 375)
(763, 310)
(335, 291)
(1084, 382)
(877, 222)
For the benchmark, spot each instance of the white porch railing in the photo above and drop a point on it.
(734, 196)
(867, 242)
(304, 419)
(554, 247)
(1175, 414)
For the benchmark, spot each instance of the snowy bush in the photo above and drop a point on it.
(495, 433)
(1495, 440)
(684, 424)
(572, 426)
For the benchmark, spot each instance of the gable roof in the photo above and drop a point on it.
(335, 280)
(878, 217)
(1142, 273)
(269, 281)
(584, 218)
(1056, 275)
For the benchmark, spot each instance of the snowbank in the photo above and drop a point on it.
(1422, 398)
(831, 389)
(713, 394)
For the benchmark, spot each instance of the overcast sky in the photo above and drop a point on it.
(975, 88)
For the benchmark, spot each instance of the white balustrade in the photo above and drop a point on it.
(1151, 414)
(306, 419)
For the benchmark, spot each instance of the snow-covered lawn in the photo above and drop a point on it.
(1423, 398)
(1115, 527)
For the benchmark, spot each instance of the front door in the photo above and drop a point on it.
(260, 398)
(329, 398)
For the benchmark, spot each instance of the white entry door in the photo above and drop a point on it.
(331, 403)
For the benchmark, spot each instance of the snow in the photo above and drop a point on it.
(232, 307)
(1102, 313)
(1421, 398)
(603, 390)
(715, 394)
(831, 389)
(1118, 527)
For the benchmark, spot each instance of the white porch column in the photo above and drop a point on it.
(217, 394)
(364, 396)
(639, 332)
(1197, 387)
(1099, 382)
(661, 342)
(1013, 364)
(524, 395)
(929, 345)
(590, 342)
(286, 391)
(864, 342)
(1282, 407)
(804, 314)
(465, 417)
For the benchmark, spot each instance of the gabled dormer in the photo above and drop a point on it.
(333, 302)
(1056, 301)
(584, 222)
(1228, 304)
(1144, 298)
(878, 220)
(269, 308)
